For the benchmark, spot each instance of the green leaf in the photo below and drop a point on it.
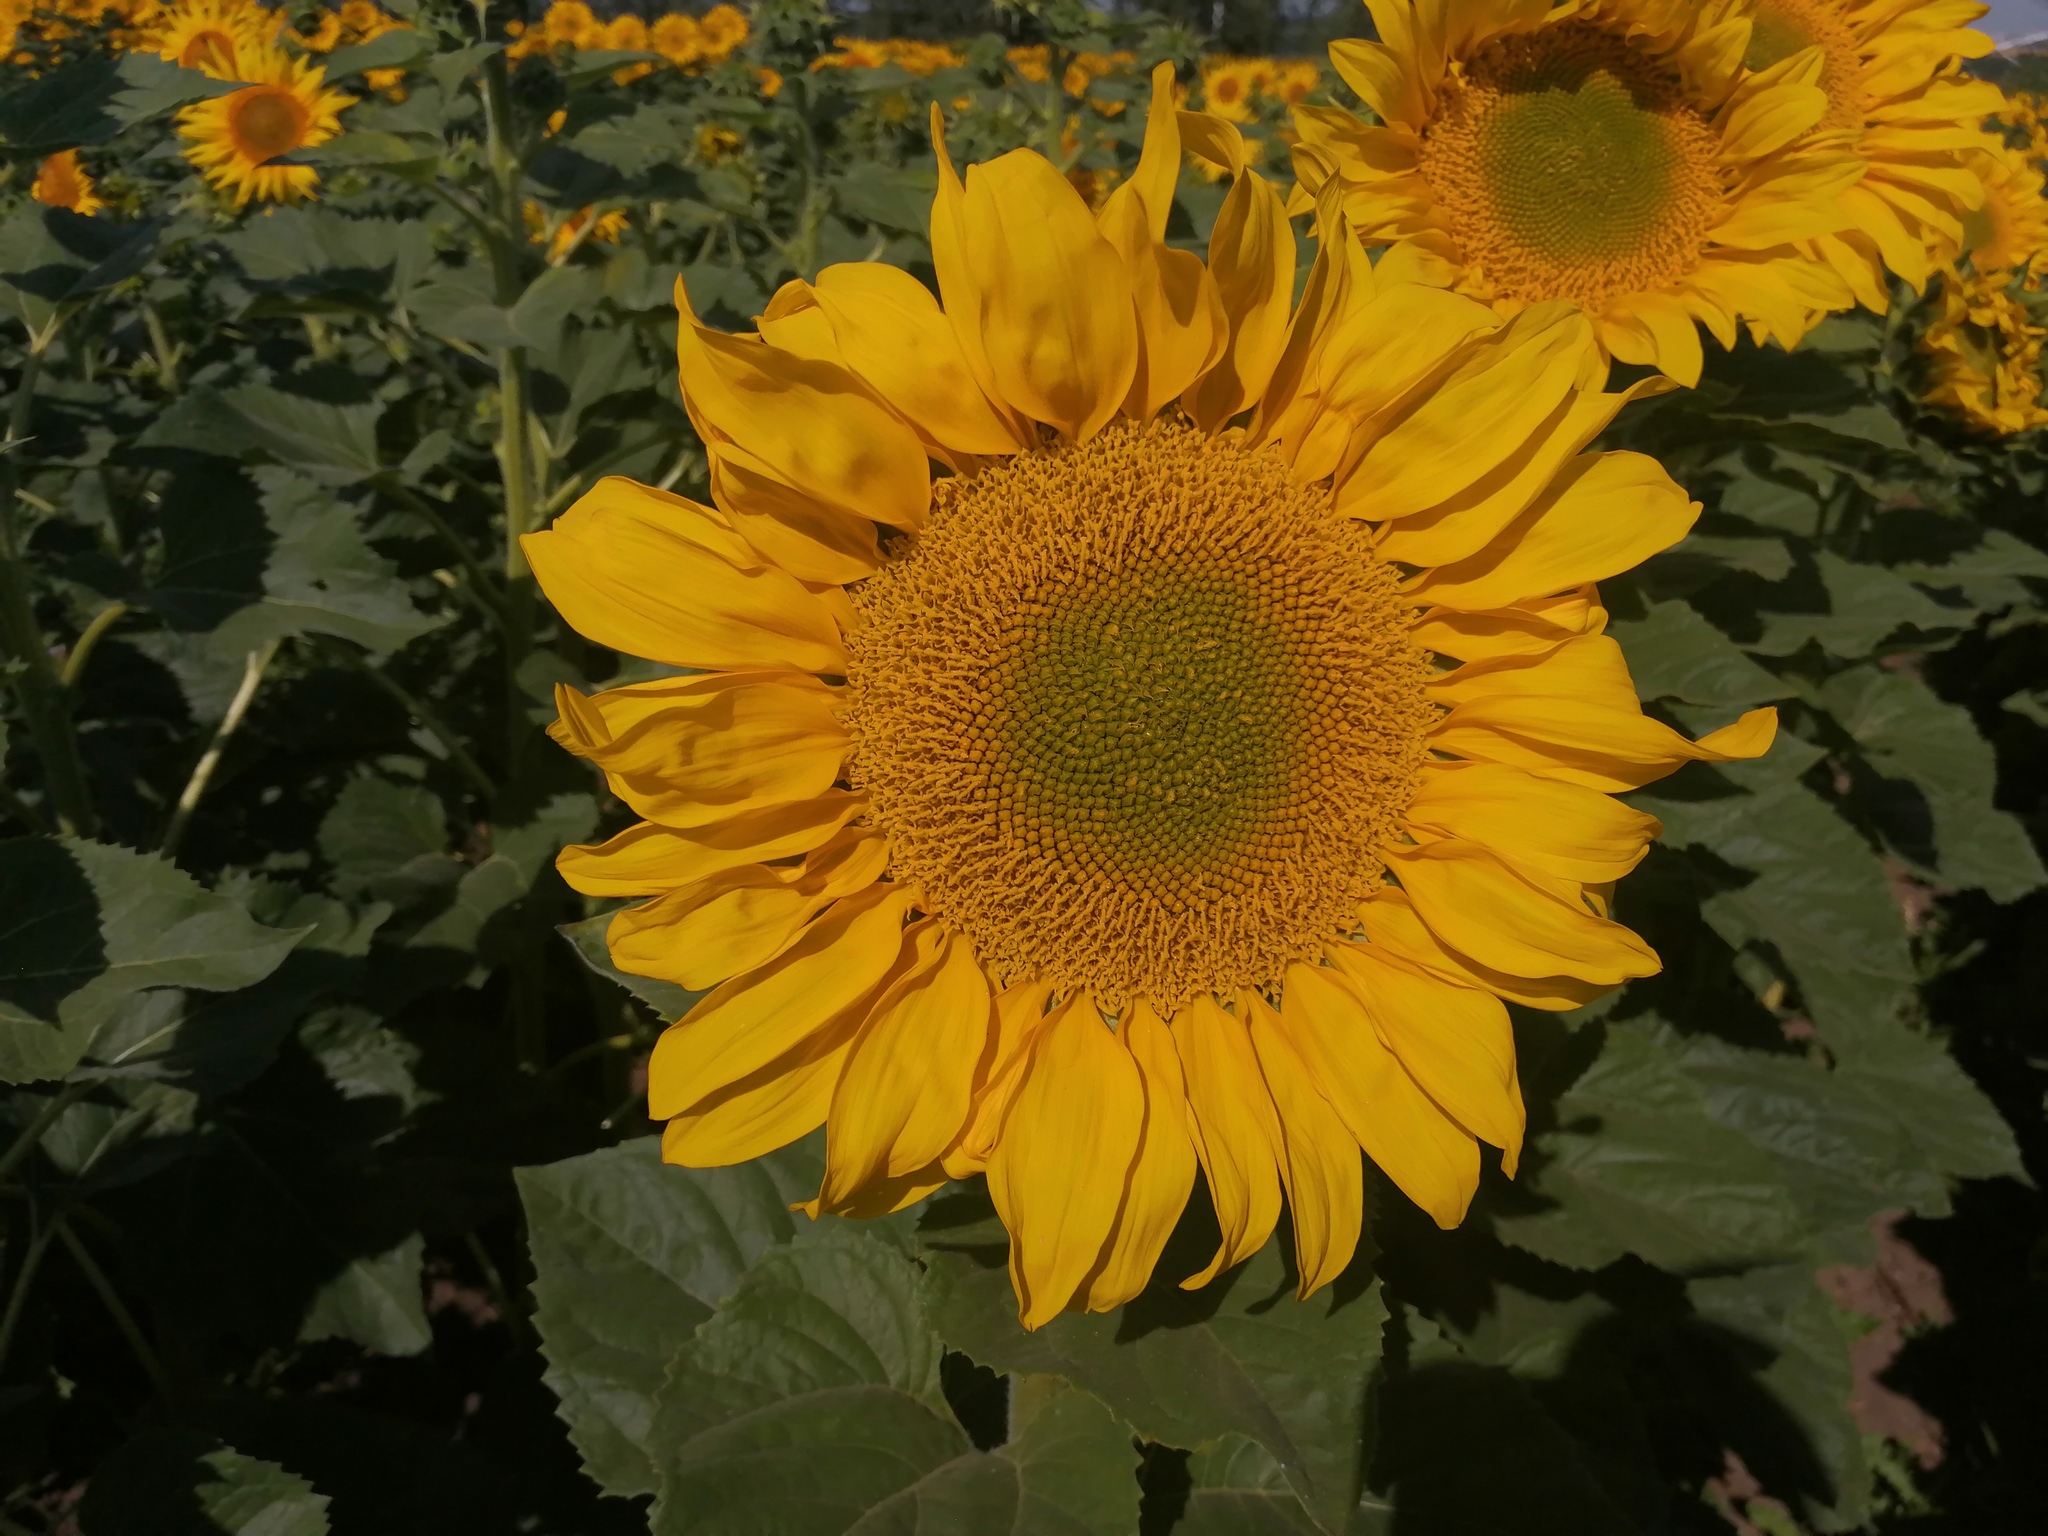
(1809, 1375)
(1819, 896)
(375, 1302)
(333, 444)
(810, 1406)
(1238, 1489)
(400, 48)
(1241, 1356)
(1639, 1164)
(376, 828)
(321, 577)
(630, 1255)
(90, 924)
(1872, 1134)
(88, 101)
(886, 195)
(318, 253)
(1467, 1450)
(1909, 733)
(1866, 605)
(184, 1482)
(1673, 653)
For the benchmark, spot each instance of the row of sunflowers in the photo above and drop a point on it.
(1982, 342)
(1366, 713)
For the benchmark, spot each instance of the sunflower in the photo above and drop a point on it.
(2008, 232)
(1891, 73)
(678, 39)
(1608, 152)
(1182, 781)
(1228, 88)
(288, 106)
(61, 182)
(213, 35)
(1983, 355)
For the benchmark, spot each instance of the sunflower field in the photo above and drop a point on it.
(786, 770)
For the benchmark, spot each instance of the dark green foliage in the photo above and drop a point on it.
(326, 1198)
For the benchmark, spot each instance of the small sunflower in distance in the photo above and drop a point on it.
(2008, 231)
(1891, 72)
(1180, 782)
(1607, 152)
(61, 182)
(211, 35)
(287, 106)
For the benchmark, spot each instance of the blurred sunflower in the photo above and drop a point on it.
(288, 106)
(562, 240)
(212, 35)
(1612, 153)
(1227, 88)
(1983, 355)
(2008, 231)
(676, 38)
(61, 182)
(1890, 70)
(1181, 782)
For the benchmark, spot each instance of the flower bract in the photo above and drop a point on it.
(1177, 778)
(1612, 153)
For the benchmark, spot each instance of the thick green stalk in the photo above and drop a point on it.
(45, 702)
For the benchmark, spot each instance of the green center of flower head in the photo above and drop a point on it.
(1573, 166)
(1137, 713)
(1153, 719)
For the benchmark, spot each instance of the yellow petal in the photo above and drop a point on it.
(769, 1107)
(1431, 1158)
(654, 575)
(960, 287)
(1465, 524)
(739, 918)
(1181, 325)
(893, 334)
(1455, 1042)
(809, 427)
(1059, 1172)
(649, 858)
(1018, 1012)
(1236, 1132)
(1605, 513)
(1325, 1180)
(1251, 257)
(1056, 318)
(1498, 395)
(692, 751)
(751, 1020)
(1164, 1172)
(1528, 629)
(1601, 746)
(1389, 920)
(1559, 829)
(905, 1093)
(1514, 920)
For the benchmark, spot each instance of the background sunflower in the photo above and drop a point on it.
(1612, 154)
(235, 138)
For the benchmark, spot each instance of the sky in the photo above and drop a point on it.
(2010, 19)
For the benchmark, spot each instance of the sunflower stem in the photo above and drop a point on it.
(253, 667)
(45, 702)
(116, 1309)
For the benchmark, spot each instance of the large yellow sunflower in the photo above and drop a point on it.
(1891, 74)
(1608, 152)
(288, 106)
(1182, 781)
